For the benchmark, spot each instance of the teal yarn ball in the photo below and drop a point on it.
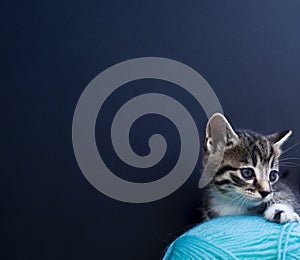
(237, 237)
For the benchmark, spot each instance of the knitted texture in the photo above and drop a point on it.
(237, 237)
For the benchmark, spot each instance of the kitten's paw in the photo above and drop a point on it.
(281, 213)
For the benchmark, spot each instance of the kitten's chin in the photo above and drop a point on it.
(255, 201)
(268, 198)
(258, 201)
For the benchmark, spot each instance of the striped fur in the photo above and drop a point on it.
(231, 192)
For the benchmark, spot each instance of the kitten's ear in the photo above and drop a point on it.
(219, 133)
(279, 138)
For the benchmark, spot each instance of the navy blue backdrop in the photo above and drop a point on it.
(249, 52)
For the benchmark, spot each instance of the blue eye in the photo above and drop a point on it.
(273, 176)
(247, 173)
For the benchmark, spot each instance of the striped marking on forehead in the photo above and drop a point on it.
(261, 151)
(259, 148)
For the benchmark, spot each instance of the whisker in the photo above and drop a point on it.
(244, 202)
(289, 148)
(289, 165)
(288, 158)
(235, 202)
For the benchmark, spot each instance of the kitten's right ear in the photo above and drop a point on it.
(219, 134)
(279, 138)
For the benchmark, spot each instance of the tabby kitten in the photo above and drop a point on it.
(245, 177)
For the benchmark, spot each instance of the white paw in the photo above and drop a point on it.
(281, 213)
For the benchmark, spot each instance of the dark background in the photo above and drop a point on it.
(249, 52)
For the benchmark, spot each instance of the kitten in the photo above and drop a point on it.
(245, 177)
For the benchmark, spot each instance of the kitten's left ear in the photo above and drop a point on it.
(219, 134)
(279, 138)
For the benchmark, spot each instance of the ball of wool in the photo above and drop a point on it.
(237, 237)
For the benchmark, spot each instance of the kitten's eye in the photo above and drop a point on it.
(247, 173)
(273, 176)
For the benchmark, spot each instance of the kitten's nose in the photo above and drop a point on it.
(264, 193)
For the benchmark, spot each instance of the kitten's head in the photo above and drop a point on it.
(249, 164)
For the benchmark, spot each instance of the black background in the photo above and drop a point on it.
(249, 52)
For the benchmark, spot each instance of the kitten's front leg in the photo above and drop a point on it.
(282, 206)
(281, 213)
